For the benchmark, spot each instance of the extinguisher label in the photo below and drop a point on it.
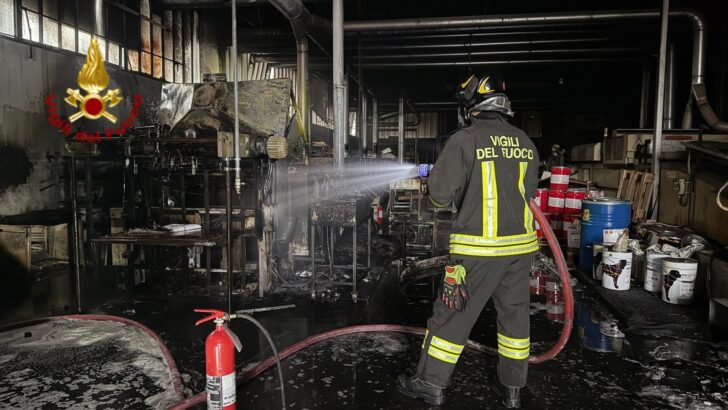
(220, 391)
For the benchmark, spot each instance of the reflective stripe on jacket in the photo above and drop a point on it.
(489, 171)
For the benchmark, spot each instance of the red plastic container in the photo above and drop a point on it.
(572, 202)
(542, 199)
(539, 231)
(557, 224)
(560, 178)
(568, 219)
(557, 199)
(553, 293)
(555, 312)
(537, 283)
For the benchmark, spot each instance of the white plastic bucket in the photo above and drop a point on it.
(678, 280)
(616, 269)
(653, 271)
(597, 250)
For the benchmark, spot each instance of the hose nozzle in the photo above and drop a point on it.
(423, 170)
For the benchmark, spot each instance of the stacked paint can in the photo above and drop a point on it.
(560, 178)
(537, 282)
(554, 302)
(572, 201)
(542, 201)
(556, 199)
(603, 220)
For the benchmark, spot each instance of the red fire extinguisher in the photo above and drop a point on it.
(220, 361)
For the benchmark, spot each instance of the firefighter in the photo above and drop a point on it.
(488, 171)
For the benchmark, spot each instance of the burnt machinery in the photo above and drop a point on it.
(420, 228)
(180, 171)
(330, 216)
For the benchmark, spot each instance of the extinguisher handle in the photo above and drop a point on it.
(215, 314)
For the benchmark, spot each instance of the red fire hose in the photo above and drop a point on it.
(311, 340)
(565, 284)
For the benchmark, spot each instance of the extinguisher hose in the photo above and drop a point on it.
(311, 340)
(272, 346)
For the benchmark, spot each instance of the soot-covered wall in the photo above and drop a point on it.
(29, 74)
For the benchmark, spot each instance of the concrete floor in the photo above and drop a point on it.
(359, 371)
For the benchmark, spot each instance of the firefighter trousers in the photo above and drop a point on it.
(506, 280)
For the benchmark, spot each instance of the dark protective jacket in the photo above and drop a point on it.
(488, 171)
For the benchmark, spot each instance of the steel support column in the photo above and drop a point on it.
(659, 105)
(340, 114)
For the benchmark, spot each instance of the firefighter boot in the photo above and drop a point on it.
(511, 397)
(420, 389)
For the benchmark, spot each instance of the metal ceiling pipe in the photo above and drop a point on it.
(340, 113)
(441, 36)
(265, 42)
(391, 66)
(471, 44)
(504, 52)
(382, 65)
(435, 23)
(277, 59)
(697, 20)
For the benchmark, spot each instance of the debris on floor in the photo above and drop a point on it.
(72, 363)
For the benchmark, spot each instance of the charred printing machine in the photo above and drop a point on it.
(181, 172)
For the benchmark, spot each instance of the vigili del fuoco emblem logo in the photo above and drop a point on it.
(94, 104)
(93, 79)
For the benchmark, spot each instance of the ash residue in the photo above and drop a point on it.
(83, 363)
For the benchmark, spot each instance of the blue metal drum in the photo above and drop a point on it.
(599, 214)
(591, 332)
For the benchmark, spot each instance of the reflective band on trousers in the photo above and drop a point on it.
(443, 344)
(513, 348)
(517, 354)
(427, 332)
(493, 251)
(442, 355)
(512, 342)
